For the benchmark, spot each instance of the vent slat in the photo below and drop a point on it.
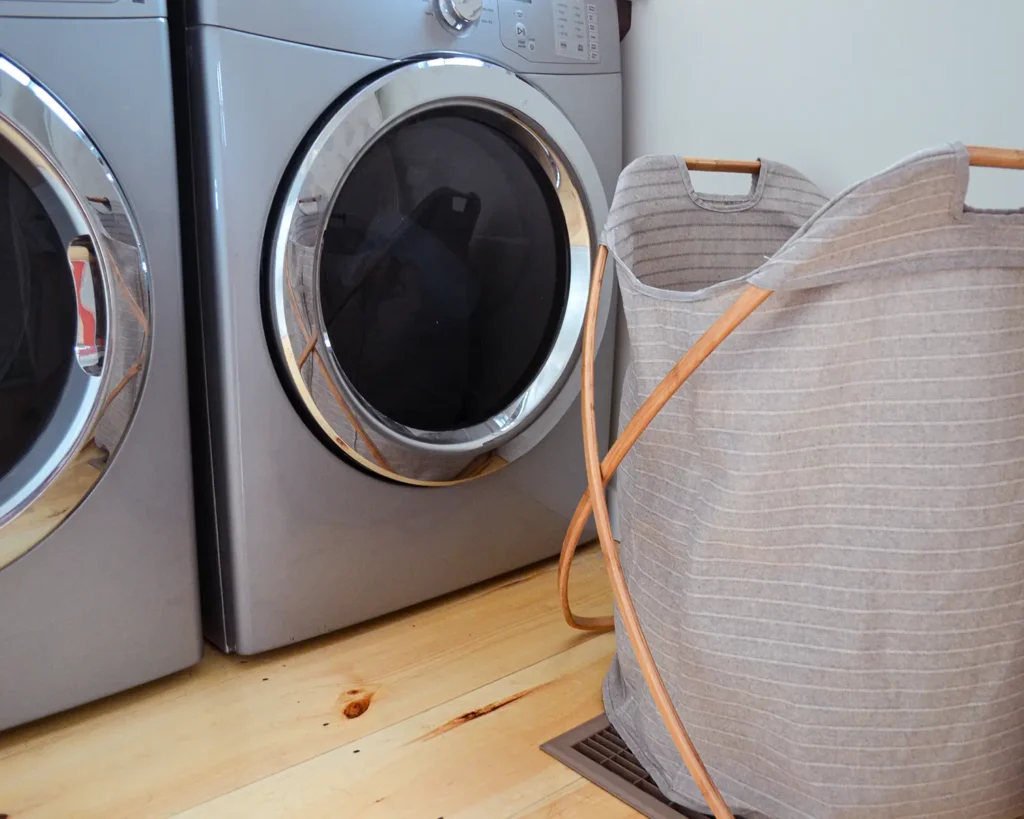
(608, 747)
(630, 763)
(612, 736)
(648, 787)
(619, 771)
(594, 756)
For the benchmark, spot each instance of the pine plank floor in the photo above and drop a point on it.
(434, 712)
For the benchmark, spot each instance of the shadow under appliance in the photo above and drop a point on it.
(397, 209)
(98, 581)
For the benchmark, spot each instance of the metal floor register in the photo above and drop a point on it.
(596, 752)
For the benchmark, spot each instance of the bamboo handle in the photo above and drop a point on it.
(983, 157)
(723, 165)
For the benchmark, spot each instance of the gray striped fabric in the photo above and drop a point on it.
(824, 529)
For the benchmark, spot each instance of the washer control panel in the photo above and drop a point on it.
(552, 31)
(459, 15)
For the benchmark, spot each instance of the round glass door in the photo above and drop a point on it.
(74, 314)
(444, 273)
(429, 273)
(38, 321)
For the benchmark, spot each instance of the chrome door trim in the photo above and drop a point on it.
(537, 124)
(40, 138)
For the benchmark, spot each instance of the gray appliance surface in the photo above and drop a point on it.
(109, 599)
(83, 9)
(394, 29)
(300, 542)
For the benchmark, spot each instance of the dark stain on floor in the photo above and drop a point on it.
(476, 713)
(359, 703)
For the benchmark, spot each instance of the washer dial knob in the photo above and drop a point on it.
(459, 15)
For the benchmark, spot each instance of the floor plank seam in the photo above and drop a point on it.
(567, 788)
(581, 639)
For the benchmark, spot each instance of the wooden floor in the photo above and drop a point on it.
(436, 712)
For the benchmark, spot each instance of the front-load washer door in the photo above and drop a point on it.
(74, 313)
(429, 269)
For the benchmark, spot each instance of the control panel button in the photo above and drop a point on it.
(576, 29)
(549, 31)
(459, 15)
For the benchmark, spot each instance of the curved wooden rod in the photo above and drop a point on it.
(140, 316)
(599, 473)
(627, 611)
(311, 340)
(980, 156)
(749, 300)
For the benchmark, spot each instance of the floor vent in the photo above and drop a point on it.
(596, 752)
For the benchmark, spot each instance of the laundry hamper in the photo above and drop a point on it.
(823, 531)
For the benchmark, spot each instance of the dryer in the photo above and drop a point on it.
(98, 581)
(397, 208)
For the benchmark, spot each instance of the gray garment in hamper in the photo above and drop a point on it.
(823, 531)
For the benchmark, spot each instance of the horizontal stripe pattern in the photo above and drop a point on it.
(823, 530)
(656, 208)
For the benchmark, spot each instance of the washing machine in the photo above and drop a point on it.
(398, 203)
(98, 577)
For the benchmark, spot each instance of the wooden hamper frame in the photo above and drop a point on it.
(600, 472)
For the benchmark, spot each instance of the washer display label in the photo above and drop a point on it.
(560, 31)
(576, 33)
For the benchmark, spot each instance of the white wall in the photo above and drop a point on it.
(838, 89)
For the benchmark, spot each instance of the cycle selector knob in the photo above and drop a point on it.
(459, 15)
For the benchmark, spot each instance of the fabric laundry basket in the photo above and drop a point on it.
(823, 531)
